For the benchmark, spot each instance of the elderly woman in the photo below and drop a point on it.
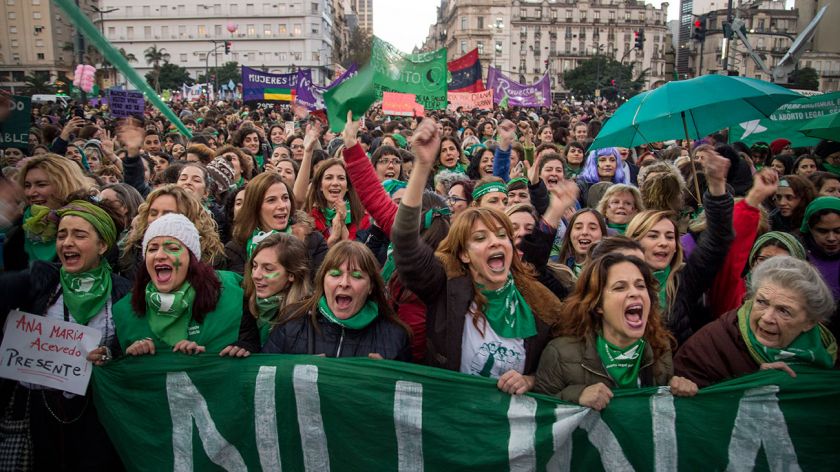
(486, 313)
(180, 303)
(81, 289)
(779, 325)
(619, 204)
(348, 314)
(611, 337)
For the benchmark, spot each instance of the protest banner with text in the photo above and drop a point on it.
(506, 89)
(14, 130)
(272, 412)
(786, 121)
(267, 87)
(125, 103)
(470, 101)
(422, 74)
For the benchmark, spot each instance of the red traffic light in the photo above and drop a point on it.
(697, 24)
(635, 34)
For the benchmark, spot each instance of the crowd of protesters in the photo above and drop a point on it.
(492, 243)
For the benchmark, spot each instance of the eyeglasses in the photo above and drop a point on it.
(453, 199)
(297, 146)
(387, 162)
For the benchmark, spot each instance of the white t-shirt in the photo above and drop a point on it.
(490, 355)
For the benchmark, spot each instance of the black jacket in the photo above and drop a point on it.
(299, 336)
(316, 246)
(134, 174)
(14, 255)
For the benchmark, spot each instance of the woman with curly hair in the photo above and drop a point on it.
(243, 165)
(611, 337)
(164, 200)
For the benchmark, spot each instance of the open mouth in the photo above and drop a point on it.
(343, 302)
(390, 175)
(163, 273)
(496, 262)
(38, 201)
(488, 169)
(584, 243)
(71, 258)
(281, 218)
(552, 180)
(661, 255)
(634, 316)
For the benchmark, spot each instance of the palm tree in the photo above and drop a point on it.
(37, 84)
(154, 57)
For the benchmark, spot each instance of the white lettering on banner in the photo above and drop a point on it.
(760, 422)
(313, 439)
(568, 419)
(408, 423)
(47, 352)
(265, 419)
(664, 431)
(185, 406)
(600, 435)
(523, 427)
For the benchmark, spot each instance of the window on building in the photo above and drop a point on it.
(597, 14)
(112, 31)
(217, 9)
(480, 46)
(147, 32)
(36, 2)
(10, 2)
(316, 56)
(36, 15)
(202, 56)
(182, 57)
(129, 11)
(182, 31)
(41, 56)
(12, 29)
(553, 13)
(15, 43)
(282, 56)
(297, 56)
(480, 22)
(463, 22)
(201, 30)
(147, 11)
(523, 12)
(627, 15)
(249, 8)
(315, 29)
(314, 8)
(500, 22)
(463, 46)
(217, 30)
(612, 14)
(281, 28)
(498, 48)
(129, 32)
(251, 30)
(538, 13)
(296, 30)
(583, 16)
(568, 15)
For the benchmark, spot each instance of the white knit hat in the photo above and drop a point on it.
(179, 227)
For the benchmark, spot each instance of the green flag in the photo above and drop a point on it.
(355, 94)
(423, 74)
(787, 120)
(279, 412)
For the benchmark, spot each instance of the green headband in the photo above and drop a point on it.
(97, 217)
(517, 180)
(488, 187)
(817, 205)
(429, 216)
(392, 185)
(794, 247)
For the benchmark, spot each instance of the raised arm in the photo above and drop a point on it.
(310, 144)
(501, 158)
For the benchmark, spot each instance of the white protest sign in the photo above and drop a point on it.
(47, 352)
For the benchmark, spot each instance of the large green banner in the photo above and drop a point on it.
(275, 412)
(786, 121)
(423, 74)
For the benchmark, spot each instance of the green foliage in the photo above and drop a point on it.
(229, 71)
(37, 84)
(170, 77)
(599, 72)
(805, 78)
(360, 46)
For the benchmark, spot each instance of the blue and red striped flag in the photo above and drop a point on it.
(465, 73)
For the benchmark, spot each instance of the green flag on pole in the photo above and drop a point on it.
(423, 74)
(171, 411)
(355, 94)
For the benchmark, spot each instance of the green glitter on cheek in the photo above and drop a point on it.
(272, 275)
(176, 253)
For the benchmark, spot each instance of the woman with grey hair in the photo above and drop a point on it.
(779, 325)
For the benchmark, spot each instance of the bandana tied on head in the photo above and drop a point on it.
(817, 205)
(258, 236)
(96, 216)
(489, 187)
(794, 247)
(517, 180)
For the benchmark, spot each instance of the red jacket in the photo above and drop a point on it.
(374, 197)
(728, 288)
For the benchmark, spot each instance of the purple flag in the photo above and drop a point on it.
(311, 96)
(264, 87)
(534, 95)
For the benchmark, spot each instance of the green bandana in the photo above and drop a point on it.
(329, 214)
(488, 187)
(831, 168)
(169, 313)
(459, 168)
(622, 364)
(661, 276)
(39, 228)
(508, 313)
(517, 180)
(267, 309)
(258, 235)
(360, 320)
(86, 293)
(816, 346)
(97, 217)
(621, 228)
(818, 204)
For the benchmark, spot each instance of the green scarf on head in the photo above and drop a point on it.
(508, 313)
(816, 347)
(622, 364)
(621, 228)
(169, 313)
(831, 168)
(329, 214)
(258, 235)
(661, 276)
(360, 320)
(85, 293)
(40, 229)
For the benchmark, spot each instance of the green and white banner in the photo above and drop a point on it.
(303, 413)
(786, 121)
(423, 74)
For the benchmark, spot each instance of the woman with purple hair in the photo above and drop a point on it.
(602, 165)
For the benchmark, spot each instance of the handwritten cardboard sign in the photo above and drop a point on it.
(468, 101)
(398, 104)
(47, 352)
(125, 103)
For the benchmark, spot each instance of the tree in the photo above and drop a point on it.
(37, 84)
(226, 73)
(154, 57)
(170, 76)
(361, 43)
(606, 74)
(805, 78)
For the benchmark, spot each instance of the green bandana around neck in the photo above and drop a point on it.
(621, 228)
(85, 293)
(169, 313)
(258, 235)
(459, 168)
(360, 320)
(389, 266)
(508, 313)
(329, 214)
(816, 347)
(267, 308)
(661, 276)
(40, 229)
(622, 364)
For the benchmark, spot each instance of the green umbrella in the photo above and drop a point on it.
(825, 127)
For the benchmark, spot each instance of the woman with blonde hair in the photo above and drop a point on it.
(619, 204)
(278, 276)
(161, 201)
(486, 313)
(682, 284)
(46, 181)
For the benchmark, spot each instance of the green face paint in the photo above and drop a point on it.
(169, 248)
(272, 275)
(356, 275)
(334, 272)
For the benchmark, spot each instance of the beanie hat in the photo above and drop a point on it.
(777, 145)
(177, 226)
(221, 175)
(794, 247)
(818, 204)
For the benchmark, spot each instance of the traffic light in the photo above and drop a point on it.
(546, 64)
(699, 29)
(228, 44)
(640, 39)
